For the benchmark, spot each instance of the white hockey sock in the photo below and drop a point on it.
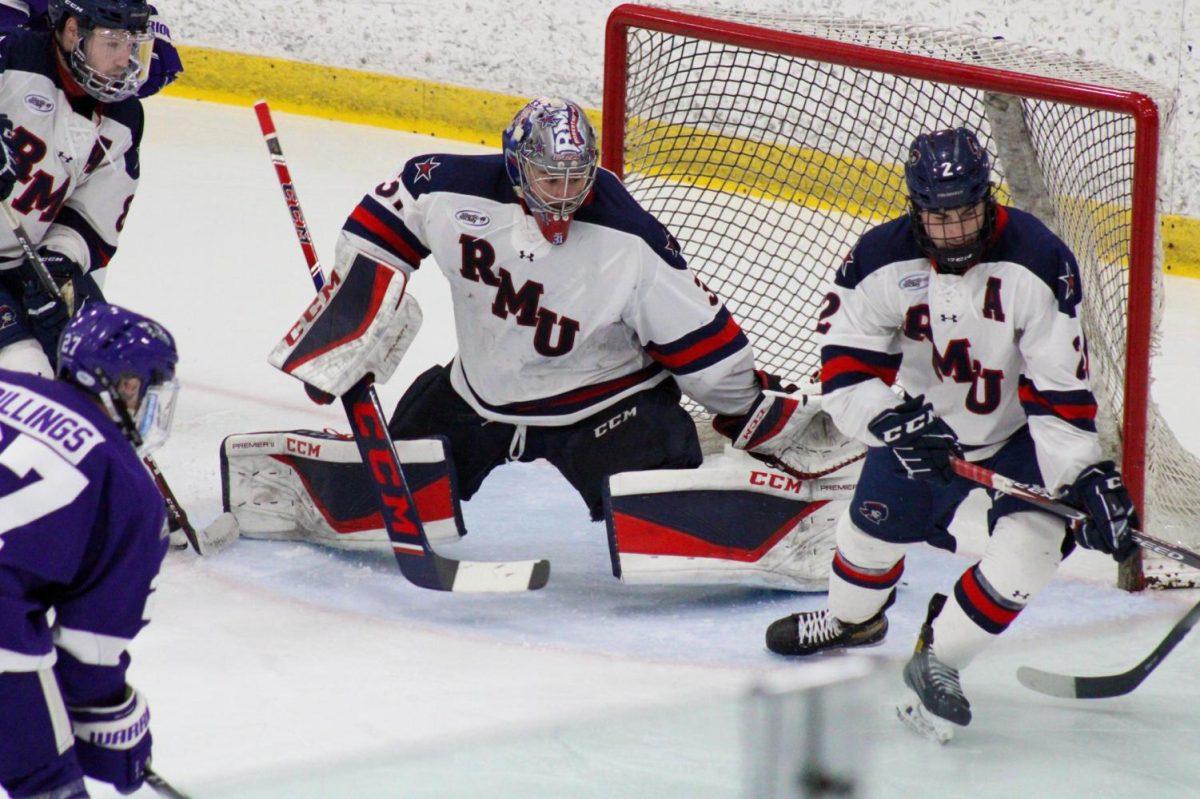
(1021, 558)
(865, 570)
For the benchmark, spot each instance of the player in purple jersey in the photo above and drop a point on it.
(81, 535)
(971, 307)
(165, 64)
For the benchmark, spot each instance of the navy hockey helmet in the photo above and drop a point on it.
(128, 361)
(112, 58)
(948, 175)
(551, 156)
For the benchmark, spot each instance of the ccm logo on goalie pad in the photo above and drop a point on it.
(312, 311)
(305, 448)
(780, 482)
(615, 422)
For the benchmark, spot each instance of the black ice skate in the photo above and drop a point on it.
(937, 696)
(817, 630)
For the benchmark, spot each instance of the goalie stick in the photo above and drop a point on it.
(1063, 685)
(416, 558)
(175, 514)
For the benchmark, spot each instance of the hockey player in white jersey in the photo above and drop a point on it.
(71, 130)
(972, 308)
(578, 321)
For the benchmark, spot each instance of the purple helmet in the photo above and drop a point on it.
(551, 156)
(128, 361)
(948, 170)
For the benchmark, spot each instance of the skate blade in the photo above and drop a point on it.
(913, 715)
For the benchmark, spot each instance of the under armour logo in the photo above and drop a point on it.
(528, 256)
(1021, 595)
(951, 318)
(66, 159)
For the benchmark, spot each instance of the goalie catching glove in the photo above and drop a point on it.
(790, 432)
(361, 323)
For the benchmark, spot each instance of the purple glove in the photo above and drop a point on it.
(113, 743)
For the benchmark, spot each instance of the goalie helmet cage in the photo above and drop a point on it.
(769, 143)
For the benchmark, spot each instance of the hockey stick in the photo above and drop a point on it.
(1068, 687)
(416, 558)
(1036, 495)
(161, 786)
(177, 517)
(1063, 685)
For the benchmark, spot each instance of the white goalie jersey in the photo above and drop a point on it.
(551, 334)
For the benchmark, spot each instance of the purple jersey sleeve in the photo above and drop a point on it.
(81, 531)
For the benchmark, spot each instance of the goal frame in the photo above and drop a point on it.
(1139, 106)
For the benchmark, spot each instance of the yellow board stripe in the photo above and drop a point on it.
(478, 116)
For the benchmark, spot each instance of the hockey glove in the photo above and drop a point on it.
(8, 164)
(920, 440)
(113, 743)
(46, 314)
(1100, 491)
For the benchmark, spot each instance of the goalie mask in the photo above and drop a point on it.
(948, 175)
(551, 156)
(110, 56)
(128, 362)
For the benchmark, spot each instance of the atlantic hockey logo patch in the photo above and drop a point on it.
(916, 282)
(469, 216)
(39, 103)
(874, 512)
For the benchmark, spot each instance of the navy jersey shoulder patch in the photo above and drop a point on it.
(477, 175)
(28, 51)
(1026, 241)
(883, 244)
(612, 206)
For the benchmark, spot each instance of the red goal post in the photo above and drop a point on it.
(683, 145)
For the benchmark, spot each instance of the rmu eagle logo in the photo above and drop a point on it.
(874, 512)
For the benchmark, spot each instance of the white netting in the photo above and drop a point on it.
(768, 167)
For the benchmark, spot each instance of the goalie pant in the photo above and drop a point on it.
(649, 430)
(84, 538)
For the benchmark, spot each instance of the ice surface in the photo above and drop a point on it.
(274, 662)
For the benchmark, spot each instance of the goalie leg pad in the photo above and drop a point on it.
(308, 486)
(724, 523)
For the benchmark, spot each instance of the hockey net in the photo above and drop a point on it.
(768, 144)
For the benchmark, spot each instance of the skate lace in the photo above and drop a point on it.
(819, 627)
(944, 678)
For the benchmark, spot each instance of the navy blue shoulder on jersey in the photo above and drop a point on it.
(612, 206)
(28, 51)
(1023, 239)
(478, 175)
(883, 244)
